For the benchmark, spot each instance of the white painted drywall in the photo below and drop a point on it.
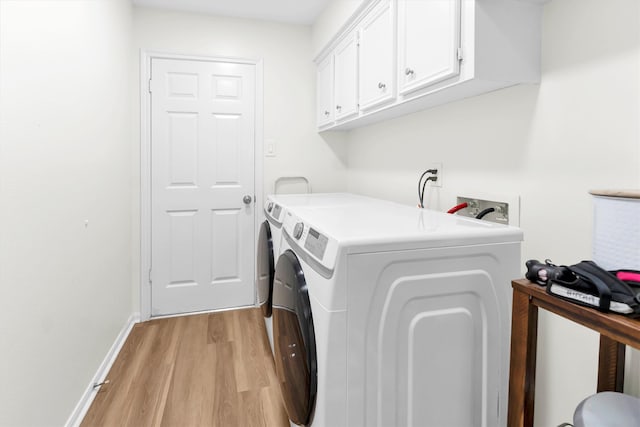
(289, 90)
(65, 158)
(550, 144)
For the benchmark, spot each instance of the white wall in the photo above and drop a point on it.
(65, 158)
(289, 89)
(550, 144)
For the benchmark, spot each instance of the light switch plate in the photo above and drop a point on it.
(270, 147)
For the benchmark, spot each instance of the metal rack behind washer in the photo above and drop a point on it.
(281, 179)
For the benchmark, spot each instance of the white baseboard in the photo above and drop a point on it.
(90, 392)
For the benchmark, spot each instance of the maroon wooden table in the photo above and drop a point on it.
(615, 331)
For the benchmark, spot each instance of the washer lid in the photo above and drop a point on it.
(265, 268)
(294, 339)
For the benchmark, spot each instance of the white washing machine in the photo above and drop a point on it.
(270, 236)
(267, 252)
(387, 315)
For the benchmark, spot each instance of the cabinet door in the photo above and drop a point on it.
(377, 56)
(429, 38)
(346, 77)
(325, 91)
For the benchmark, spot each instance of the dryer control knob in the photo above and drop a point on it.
(269, 206)
(297, 230)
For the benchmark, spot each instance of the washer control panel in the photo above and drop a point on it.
(274, 211)
(310, 239)
(316, 243)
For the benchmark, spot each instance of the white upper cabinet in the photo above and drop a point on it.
(417, 54)
(325, 106)
(346, 77)
(377, 56)
(428, 42)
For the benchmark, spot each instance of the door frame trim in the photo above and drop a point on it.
(145, 160)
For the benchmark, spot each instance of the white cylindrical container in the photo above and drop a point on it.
(616, 245)
(616, 231)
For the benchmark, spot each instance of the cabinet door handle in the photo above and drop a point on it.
(408, 72)
(326, 113)
(338, 107)
(381, 85)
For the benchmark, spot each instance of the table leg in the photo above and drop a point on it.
(610, 365)
(522, 375)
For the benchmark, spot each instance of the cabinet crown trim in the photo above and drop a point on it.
(350, 25)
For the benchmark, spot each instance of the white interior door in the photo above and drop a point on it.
(202, 185)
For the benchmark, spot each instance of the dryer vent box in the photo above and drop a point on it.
(506, 208)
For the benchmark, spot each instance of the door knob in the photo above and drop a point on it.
(247, 199)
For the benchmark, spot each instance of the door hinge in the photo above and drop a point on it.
(149, 85)
(460, 57)
(150, 279)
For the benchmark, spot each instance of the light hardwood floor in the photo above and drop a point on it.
(203, 370)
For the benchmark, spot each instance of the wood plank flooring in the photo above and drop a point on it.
(203, 370)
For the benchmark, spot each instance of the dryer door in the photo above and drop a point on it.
(294, 339)
(265, 268)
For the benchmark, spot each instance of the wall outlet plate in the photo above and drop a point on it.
(437, 166)
(440, 174)
(507, 208)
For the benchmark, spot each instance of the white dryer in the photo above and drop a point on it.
(387, 315)
(270, 236)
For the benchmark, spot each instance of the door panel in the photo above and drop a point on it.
(202, 157)
(226, 127)
(182, 85)
(377, 57)
(429, 34)
(183, 146)
(181, 245)
(225, 260)
(325, 88)
(346, 78)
